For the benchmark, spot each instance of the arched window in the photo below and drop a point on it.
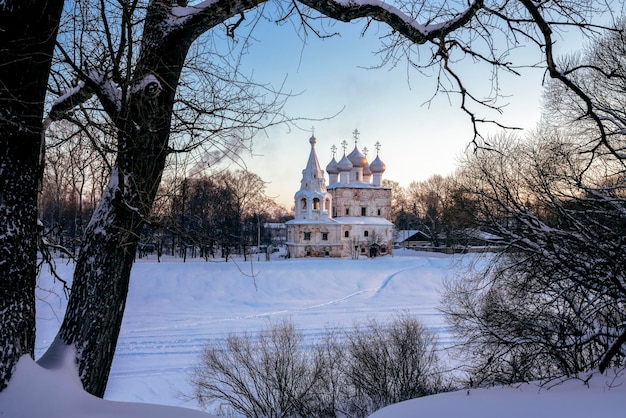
(316, 204)
(327, 204)
(303, 203)
(346, 234)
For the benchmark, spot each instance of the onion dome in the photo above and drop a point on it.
(344, 164)
(367, 170)
(331, 168)
(377, 166)
(357, 158)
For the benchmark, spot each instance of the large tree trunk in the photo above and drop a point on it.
(95, 310)
(27, 34)
(94, 313)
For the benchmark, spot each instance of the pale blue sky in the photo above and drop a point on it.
(385, 105)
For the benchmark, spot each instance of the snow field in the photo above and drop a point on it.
(174, 309)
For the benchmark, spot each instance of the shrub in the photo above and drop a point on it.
(348, 374)
(389, 363)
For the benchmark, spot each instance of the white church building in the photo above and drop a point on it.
(347, 218)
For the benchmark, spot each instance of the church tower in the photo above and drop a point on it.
(312, 201)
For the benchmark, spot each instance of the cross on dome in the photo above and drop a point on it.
(365, 151)
(333, 149)
(344, 145)
(356, 133)
(377, 146)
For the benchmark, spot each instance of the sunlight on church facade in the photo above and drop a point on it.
(348, 218)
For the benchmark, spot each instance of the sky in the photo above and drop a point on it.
(335, 76)
(175, 308)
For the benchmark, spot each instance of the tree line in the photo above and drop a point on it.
(223, 212)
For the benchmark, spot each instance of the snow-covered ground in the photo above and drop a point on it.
(175, 308)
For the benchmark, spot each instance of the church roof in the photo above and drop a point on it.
(366, 170)
(344, 164)
(357, 158)
(377, 166)
(331, 168)
(312, 175)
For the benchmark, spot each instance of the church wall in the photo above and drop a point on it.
(349, 201)
(307, 240)
(357, 239)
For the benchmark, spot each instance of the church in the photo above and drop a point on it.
(348, 218)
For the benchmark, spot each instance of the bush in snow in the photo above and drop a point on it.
(346, 374)
(389, 363)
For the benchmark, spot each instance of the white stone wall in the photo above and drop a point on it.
(382, 235)
(354, 199)
(315, 246)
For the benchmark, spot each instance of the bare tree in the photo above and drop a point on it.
(390, 362)
(400, 207)
(349, 373)
(135, 83)
(268, 376)
(72, 185)
(27, 34)
(429, 200)
(559, 201)
(553, 303)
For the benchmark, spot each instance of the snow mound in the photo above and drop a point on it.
(603, 396)
(35, 391)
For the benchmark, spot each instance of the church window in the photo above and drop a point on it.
(363, 211)
(378, 212)
(347, 211)
(316, 204)
(346, 234)
(366, 233)
(303, 203)
(326, 204)
(307, 236)
(324, 236)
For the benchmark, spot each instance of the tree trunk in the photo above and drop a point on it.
(27, 34)
(95, 310)
(96, 307)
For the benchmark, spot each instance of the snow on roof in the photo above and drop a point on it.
(476, 233)
(311, 221)
(344, 220)
(363, 220)
(354, 185)
(404, 234)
